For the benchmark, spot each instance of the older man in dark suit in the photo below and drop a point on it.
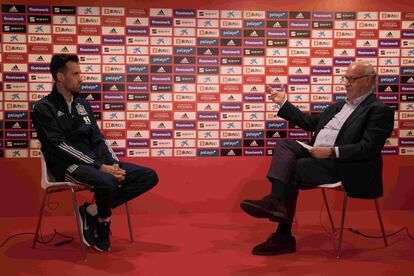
(347, 142)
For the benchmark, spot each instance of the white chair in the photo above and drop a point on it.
(338, 186)
(49, 184)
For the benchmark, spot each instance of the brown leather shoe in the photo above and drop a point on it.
(276, 245)
(268, 207)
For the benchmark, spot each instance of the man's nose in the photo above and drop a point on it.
(347, 81)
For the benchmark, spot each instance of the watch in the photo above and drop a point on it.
(332, 154)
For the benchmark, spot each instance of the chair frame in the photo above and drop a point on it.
(344, 204)
(50, 186)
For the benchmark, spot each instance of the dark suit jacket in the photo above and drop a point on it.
(360, 141)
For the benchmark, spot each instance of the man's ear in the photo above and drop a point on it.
(60, 76)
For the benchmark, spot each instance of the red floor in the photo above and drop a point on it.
(212, 244)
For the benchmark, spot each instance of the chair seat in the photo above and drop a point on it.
(64, 184)
(49, 182)
(331, 185)
(336, 186)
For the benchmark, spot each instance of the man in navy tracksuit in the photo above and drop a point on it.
(75, 150)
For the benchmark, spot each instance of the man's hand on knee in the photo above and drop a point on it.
(320, 152)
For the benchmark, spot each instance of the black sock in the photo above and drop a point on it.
(278, 190)
(284, 229)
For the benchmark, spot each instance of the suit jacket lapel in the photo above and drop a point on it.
(357, 112)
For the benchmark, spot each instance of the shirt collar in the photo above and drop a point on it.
(69, 103)
(358, 100)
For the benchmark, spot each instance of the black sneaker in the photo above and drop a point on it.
(102, 242)
(88, 223)
(275, 245)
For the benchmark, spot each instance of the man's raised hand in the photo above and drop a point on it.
(277, 93)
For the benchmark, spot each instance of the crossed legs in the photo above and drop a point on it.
(291, 167)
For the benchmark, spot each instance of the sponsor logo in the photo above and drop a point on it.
(231, 152)
(391, 43)
(388, 79)
(111, 40)
(64, 10)
(367, 52)
(38, 9)
(162, 22)
(13, 8)
(113, 11)
(207, 152)
(277, 15)
(16, 115)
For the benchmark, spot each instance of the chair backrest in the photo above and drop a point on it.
(47, 178)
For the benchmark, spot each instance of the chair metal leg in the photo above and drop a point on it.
(328, 210)
(131, 237)
(341, 231)
(380, 222)
(39, 220)
(77, 217)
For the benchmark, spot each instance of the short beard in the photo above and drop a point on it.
(73, 91)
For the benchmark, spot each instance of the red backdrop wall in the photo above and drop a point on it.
(203, 184)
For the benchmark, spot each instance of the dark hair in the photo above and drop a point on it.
(58, 63)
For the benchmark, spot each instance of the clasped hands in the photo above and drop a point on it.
(115, 170)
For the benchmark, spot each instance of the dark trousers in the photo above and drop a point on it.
(110, 193)
(293, 167)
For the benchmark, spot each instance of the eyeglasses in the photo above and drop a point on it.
(351, 79)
